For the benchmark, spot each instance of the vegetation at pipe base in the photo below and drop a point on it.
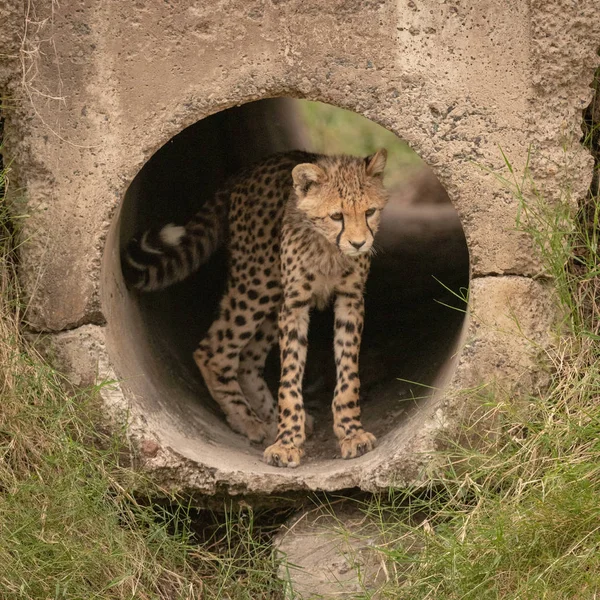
(69, 528)
(519, 518)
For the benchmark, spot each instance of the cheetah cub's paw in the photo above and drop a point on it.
(283, 455)
(357, 444)
(250, 426)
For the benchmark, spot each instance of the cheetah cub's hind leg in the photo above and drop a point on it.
(251, 377)
(251, 370)
(218, 358)
(349, 316)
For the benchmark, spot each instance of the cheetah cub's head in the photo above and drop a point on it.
(343, 196)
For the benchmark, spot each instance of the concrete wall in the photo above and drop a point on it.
(97, 88)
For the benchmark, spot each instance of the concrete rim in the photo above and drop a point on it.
(195, 436)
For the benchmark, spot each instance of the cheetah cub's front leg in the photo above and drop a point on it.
(293, 341)
(349, 317)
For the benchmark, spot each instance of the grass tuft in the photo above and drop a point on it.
(69, 527)
(519, 517)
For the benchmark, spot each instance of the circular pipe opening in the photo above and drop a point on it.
(411, 333)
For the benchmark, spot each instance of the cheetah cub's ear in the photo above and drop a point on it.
(305, 176)
(376, 163)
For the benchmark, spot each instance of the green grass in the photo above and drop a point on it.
(69, 526)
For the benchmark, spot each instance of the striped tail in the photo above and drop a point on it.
(161, 257)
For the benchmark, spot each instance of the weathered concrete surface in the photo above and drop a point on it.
(331, 553)
(510, 330)
(457, 81)
(97, 88)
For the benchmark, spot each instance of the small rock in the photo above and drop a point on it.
(149, 448)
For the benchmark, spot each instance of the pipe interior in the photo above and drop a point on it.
(410, 334)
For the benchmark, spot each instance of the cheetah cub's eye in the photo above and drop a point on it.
(336, 216)
(370, 212)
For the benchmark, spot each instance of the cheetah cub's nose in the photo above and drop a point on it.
(358, 245)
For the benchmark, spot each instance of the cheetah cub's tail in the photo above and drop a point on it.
(161, 257)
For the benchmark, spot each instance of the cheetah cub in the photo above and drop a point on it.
(299, 229)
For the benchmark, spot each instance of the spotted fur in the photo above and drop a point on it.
(300, 231)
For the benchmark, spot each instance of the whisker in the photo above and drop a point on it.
(376, 249)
